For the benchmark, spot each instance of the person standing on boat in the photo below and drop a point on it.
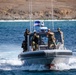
(51, 40)
(35, 40)
(26, 33)
(24, 44)
(61, 37)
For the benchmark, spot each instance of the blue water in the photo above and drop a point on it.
(11, 37)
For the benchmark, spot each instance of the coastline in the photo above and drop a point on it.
(41, 9)
(32, 20)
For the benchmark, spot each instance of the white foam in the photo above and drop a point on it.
(9, 61)
(18, 65)
(71, 64)
(57, 66)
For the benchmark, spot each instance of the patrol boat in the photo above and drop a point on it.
(43, 55)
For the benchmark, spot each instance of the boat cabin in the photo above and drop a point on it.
(42, 40)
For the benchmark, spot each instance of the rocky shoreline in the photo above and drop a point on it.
(41, 9)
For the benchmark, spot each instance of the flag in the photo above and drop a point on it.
(37, 23)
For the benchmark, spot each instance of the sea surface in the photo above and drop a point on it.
(11, 37)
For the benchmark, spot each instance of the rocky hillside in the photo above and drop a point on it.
(41, 9)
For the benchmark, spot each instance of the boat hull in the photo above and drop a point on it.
(45, 56)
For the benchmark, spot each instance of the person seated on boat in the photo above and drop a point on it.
(61, 37)
(51, 40)
(25, 34)
(24, 46)
(35, 40)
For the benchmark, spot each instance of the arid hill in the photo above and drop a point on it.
(41, 9)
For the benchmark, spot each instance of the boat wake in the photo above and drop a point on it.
(9, 61)
(16, 64)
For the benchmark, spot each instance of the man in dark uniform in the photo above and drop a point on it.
(24, 44)
(25, 34)
(35, 40)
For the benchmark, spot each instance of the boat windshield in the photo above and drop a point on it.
(43, 39)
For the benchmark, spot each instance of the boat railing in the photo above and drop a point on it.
(43, 47)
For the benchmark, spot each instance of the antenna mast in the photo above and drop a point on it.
(52, 14)
(30, 13)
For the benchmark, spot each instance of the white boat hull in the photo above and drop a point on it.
(45, 56)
